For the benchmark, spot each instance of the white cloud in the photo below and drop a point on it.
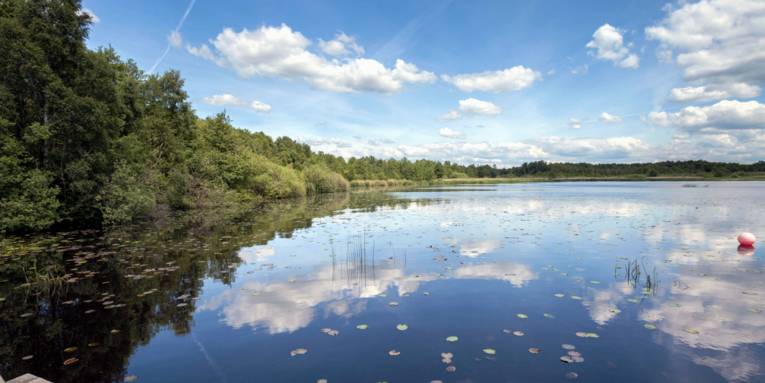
(593, 149)
(231, 100)
(260, 107)
(609, 118)
(175, 39)
(510, 79)
(724, 115)
(282, 52)
(716, 42)
(450, 133)
(223, 99)
(93, 17)
(341, 45)
(608, 44)
(475, 106)
(696, 93)
(451, 115)
(574, 123)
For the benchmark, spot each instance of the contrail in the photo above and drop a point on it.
(177, 29)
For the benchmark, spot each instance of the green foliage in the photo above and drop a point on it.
(319, 179)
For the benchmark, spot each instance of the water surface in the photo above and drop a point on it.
(629, 282)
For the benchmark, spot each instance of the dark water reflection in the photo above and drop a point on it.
(643, 279)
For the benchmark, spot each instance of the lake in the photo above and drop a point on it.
(539, 282)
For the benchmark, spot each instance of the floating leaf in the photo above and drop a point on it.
(566, 359)
(522, 316)
(362, 326)
(489, 351)
(70, 349)
(394, 353)
(559, 295)
(549, 316)
(571, 375)
(402, 327)
(451, 368)
(518, 333)
(692, 331)
(582, 334)
(576, 297)
(298, 351)
(567, 346)
(650, 326)
(452, 338)
(534, 350)
(70, 361)
(393, 304)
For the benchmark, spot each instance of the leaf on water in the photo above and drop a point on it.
(549, 316)
(298, 351)
(452, 338)
(566, 359)
(576, 297)
(534, 350)
(571, 375)
(490, 351)
(650, 326)
(28, 357)
(615, 311)
(522, 316)
(394, 353)
(362, 326)
(692, 331)
(70, 349)
(402, 327)
(559, 295)
(70, 361)
(518, 333)
(583, 334)
(567, 346)
(330, 332)
(451, 368)
(393, 304)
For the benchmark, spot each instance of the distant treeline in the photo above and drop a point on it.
(88, 139)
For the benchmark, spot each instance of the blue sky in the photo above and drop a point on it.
(473, 82)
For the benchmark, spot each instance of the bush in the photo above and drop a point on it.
(319, 179)
(273, 181)
(126, 196)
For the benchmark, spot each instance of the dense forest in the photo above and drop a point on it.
(88, 139)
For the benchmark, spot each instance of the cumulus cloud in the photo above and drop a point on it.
(282, 52)
(260, 106)
(175, 39)
(724, 115)
(450, 133)
(92, 15)
(231, 100)
(510, 79)
(609, 118)
(593, 148)
(698, 93)
(608, 44)
(451, 115)
(475, 106)
(341, 45)
(716, 42)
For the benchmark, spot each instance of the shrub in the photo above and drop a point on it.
(319, 179)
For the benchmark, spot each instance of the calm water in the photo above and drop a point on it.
(629, 282)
